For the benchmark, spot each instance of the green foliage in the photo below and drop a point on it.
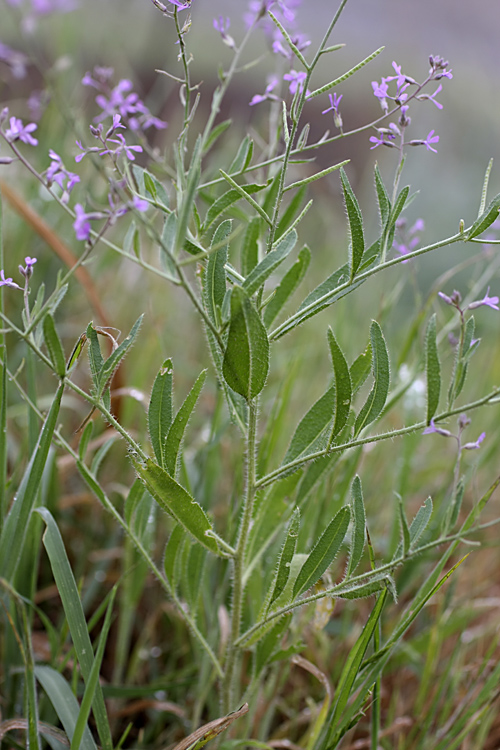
(294, 453)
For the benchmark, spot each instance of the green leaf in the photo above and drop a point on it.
(285, 558)
(167, 247)
(432, 368)
(343, 386)
(146, 182)
(323, 296)
(360, 368)
(246, 358)
(485, 220)
(272, 193)
(399, 205)
(216, 133)
(176, 501)
(378, 395)
(68, 591)
(270, 262)
(269, 643)
(15, 527)
(420, 522)
(250, 246)
(64, 702)
(351, 669)
(173, 551)
(160, 410)
(54, 346)
(178, 427)
(384, 203)
(358, 532)
(225, 201)
(214, 284)
(292, 211)
(311, 427)
(357, 240)
(187, 199)
(112, 362)
(243, 156)
(323, 553)
(405, 531)
(96, 359)
(248, 198)
(287, 286)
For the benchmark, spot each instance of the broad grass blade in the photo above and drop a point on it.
(17, 521)
(68, 591)
(65, 704)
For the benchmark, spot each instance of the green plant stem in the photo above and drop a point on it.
(229, 696)
(298, 462)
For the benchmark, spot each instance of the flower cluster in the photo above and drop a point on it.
(20, 132)
(25, 271)
(463, 422)
(121, 100)
(58, 173)
(106, 139)
(456, 298)
(387, 136)
(285, 12)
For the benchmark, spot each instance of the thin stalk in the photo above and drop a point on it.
(229, 692)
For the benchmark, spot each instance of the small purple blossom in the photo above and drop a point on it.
(463, 422)
(222, 26)
(139, 203)
(258, 98)
(295, 81)
(384, 138)
(8, 282)
(58, 173)
(334, 103)
(487, 301)
(431, 98)
(380, 91)
(81, 225)
(427, 142)
(438, 430)
(20, 132)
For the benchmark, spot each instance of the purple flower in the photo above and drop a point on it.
(380, 91)
(474, 446)
(58, 173)
(27, 271)
(384, 138)
(20, 132)
(139, 203)
(439, 430)
(487, 300)
(257, 98)
(81, 225)
(296, 80)
(222, 26)
(427, 143)
(8, 282)
(430, 97)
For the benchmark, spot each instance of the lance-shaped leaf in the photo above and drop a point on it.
(95, 355)
(377, 397)
(54, 346)
(329, 291)
(160, 410)
(311, 427)
(112, 362)
(360, 368)
(416, 529)
(384, 203)
(486, 219)
(323, 552)
(243, 157)
(285, 558)
(272, 260)
(359, 525)
(178, 427)
(188, 196)
(246, 359)
(176, 501)
(343, 386)
(292, 211)
(214, 284)
(226, 200)
(287, 286)
(405, 531)
(250, 246)
(432, 369)
(357, 239)
(173, 551)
